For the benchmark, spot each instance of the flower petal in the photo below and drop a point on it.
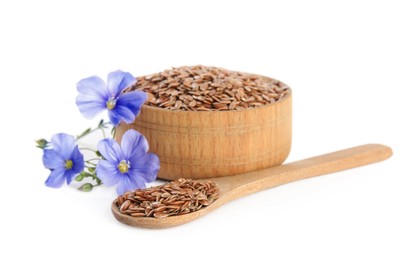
(145, 165)
(90, 106)
(108, 172)
(133, 143)
(92, 86)
(78, 165)
(133, 101)
(126, 183)
(78, 160)
(114, 118)
(122, 113)
(56, 178)
(117, 81)
(63, 145)
(51, 159)
(110, 150)
(69, 176)
(136, 181)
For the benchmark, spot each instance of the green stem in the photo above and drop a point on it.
(113, 132)
(88, 149)
(101, 127)
(94, 177)
(103, 132)
(90, 164)
(92, 159)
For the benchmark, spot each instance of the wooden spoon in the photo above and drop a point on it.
(237, 186)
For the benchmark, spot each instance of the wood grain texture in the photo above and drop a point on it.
(210, 144)
(233, 187)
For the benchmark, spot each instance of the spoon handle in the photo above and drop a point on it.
(242, 185)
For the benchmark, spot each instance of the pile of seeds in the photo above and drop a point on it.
(201, 88)
(174, 198)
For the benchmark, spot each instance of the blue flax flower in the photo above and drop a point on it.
(128, 165)
(95, 96)
(63, 159)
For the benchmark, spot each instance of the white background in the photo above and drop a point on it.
(352, 66)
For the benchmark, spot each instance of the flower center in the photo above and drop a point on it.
(123, 166)
(111, 103)
(68, 164)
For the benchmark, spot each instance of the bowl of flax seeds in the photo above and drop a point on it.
(206, 122)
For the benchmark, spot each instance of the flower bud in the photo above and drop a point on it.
(86, 187)
(42, 143)
(79, 177)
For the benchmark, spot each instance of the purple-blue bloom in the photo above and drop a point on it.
(96, 96)
(63, 159)
(128, 165)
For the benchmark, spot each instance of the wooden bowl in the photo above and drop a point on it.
(207, 144)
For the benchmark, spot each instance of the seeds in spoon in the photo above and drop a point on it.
(174, 198)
